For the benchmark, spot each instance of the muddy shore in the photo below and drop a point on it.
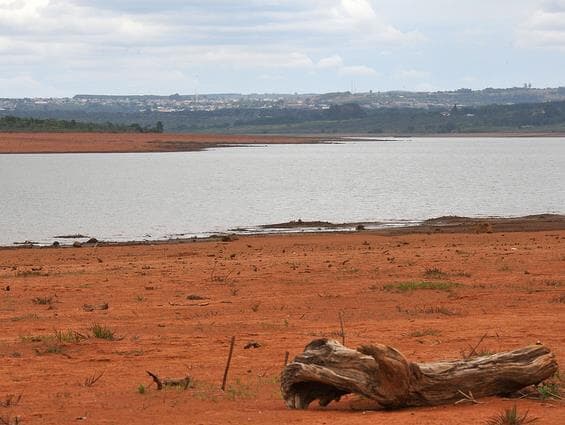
(134, 142)
(173, 308)
(11, 143)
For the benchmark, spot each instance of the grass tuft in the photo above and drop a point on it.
(69, 336)
(549, 390)
(511, 417)
(434, 273)
(103, 332)
(415, 286)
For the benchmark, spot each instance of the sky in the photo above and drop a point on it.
(58, 48)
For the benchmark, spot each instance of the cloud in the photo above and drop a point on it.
(358, 71)
(330, 62)
(412, 74)
(42, 36)
(336, 63)
(545, 27)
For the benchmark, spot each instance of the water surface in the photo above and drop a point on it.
(160, 195)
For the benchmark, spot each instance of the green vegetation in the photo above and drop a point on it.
(239, 390)
(415, 286)
(511, 417)
(141, 389)
(12, 123)
(103, 332)
(352, 117)
(549, 390)
(69, 336)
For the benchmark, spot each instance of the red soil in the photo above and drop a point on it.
(134, 142)
(281, 291)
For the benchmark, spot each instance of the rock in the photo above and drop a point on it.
(252, 344)
(92, 240)
(77, 244)
(56, 244)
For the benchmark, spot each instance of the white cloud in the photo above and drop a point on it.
(358, 71)
(412, 74)
(545, 28)
(330, 62)
(336, 63)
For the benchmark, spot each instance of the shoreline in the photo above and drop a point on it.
(444, 224)
(46, 143)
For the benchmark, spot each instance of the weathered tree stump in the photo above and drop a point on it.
(327, 370)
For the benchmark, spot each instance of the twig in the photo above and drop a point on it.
(156, 379)
(213, 271)
(342, 328)
(286, 354)
(91, 380)
(467, 397)
(225, 380)
(474, 349)
(11, 400)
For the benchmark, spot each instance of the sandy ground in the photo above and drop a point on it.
(280, 291)
(126, 142)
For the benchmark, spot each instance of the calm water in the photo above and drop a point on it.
(160, 195)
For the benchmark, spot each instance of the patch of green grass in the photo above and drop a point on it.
(549, 390)
(205, 391)
(141, 389)
(415, 286)
(103, 332)
(511, 417)
(239, 390)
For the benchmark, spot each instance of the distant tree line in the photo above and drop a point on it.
(337, 118)
(12, 123)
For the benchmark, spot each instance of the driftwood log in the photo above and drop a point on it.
(327, 370)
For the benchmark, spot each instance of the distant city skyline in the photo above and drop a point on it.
(59, 48)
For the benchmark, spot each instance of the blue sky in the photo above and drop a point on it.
(65, 47)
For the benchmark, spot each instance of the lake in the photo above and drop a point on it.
(148, 196)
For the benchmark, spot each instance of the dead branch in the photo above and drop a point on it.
(183, 383)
